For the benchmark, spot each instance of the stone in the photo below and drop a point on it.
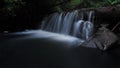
(102, 39)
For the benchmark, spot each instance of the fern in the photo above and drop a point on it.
(113, 2)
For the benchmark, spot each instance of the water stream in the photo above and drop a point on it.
(76, 23)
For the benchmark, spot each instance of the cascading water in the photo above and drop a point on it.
(75, 23)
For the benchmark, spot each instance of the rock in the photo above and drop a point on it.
(103, 39)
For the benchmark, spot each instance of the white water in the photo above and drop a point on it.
(70, 23)
(39, 35)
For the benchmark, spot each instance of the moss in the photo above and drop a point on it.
(75, 3)
(58, 9)
(87, 3)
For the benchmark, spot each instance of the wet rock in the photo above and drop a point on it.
(102, 39)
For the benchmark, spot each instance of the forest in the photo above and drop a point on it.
(18, 15)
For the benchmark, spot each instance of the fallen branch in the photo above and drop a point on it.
(115, 26)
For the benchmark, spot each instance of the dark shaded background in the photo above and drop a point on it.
(30, 15)
(26, 17)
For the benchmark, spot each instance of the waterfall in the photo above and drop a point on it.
(76, 23)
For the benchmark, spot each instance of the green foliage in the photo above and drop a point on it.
(113, 2)
(75, 3)
(70, 5)
(87, 3)
(58, 9)
(104, 3)
(98, 4)
(12, 5)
